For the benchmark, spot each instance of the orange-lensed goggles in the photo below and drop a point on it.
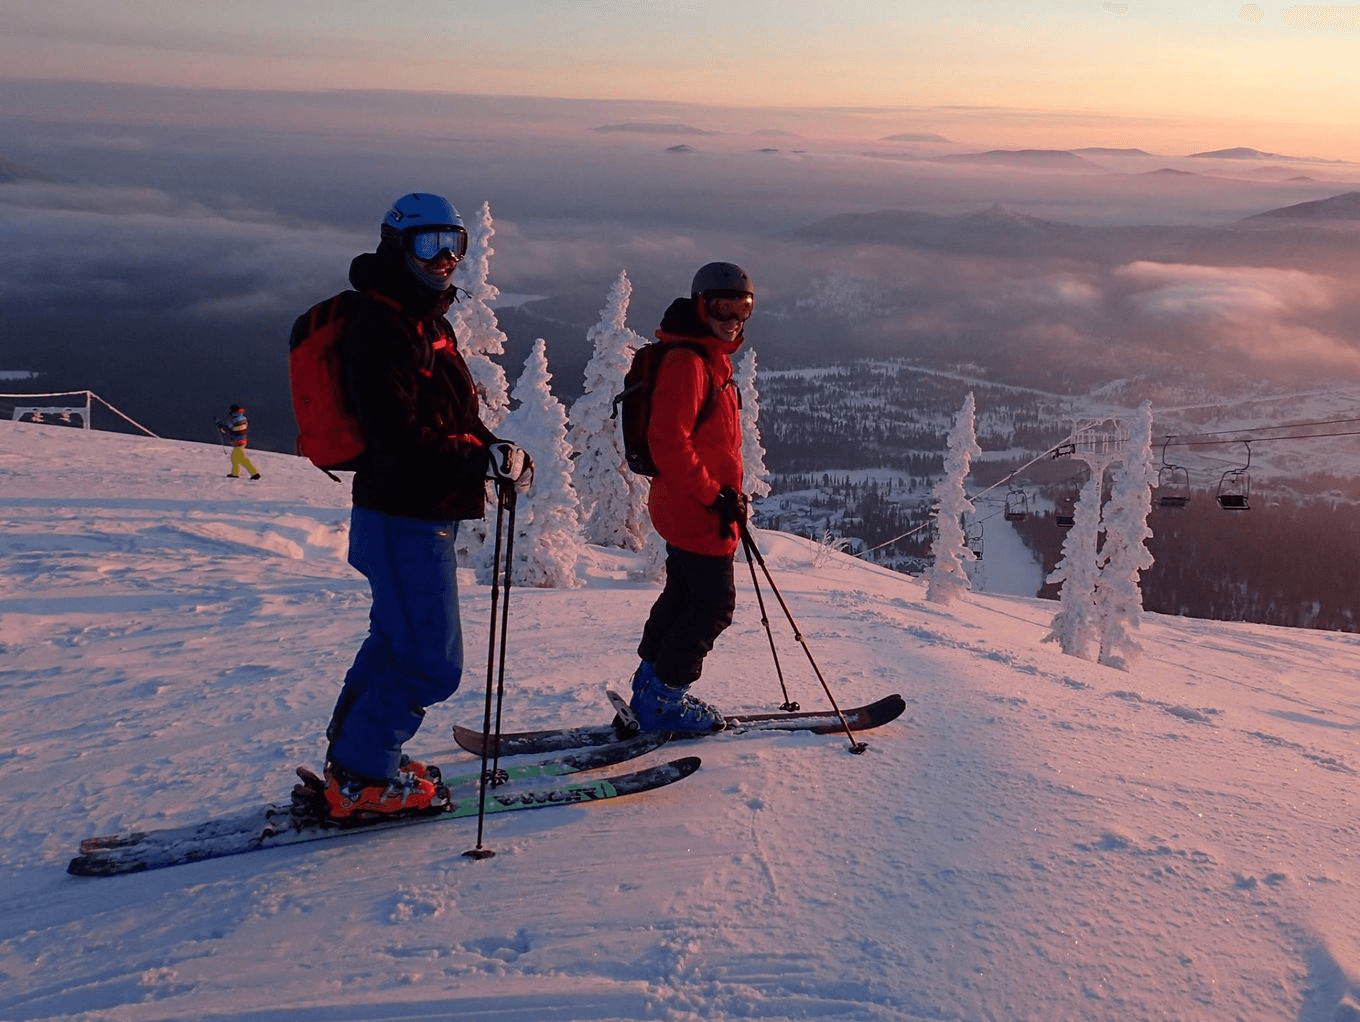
(726, 306)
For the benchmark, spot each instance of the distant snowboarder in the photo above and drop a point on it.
(236, 429)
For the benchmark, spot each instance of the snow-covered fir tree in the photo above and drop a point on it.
(1119, 593)
(480, 337)
(474, 320)
(756, 480)
(548, 539)
(1076, 625)
(948, 577)
(653, 566)
(613, 499)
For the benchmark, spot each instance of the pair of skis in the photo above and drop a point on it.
(527, 786)
(304, 820)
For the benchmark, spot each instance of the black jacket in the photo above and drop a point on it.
(414, 398)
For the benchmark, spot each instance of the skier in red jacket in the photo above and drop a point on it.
(696, 503)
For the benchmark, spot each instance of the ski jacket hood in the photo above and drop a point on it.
(415, 400)
(385, 271)
(693, 461)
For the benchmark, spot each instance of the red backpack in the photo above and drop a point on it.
(328, 431)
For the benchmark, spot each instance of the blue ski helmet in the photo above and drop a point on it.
(418, 213)
(420, 209)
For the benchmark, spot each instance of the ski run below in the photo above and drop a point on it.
(1037, 837)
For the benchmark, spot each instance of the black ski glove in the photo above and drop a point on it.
(730, 506)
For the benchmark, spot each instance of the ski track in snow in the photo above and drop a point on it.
(1038, 837)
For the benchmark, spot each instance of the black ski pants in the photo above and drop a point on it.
(694, 608)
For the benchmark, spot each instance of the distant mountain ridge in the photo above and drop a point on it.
(1107, 151)
(653, 128)
(993, 229)
(1000, 231)
(1039, 158)
(1239, 153)
(1247, 153)
(11, 171)
(1339, 207)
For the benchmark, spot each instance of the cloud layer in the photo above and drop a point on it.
(189, 249)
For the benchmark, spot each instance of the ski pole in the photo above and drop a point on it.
(508, 495)
(480, 852)
(222, 438)
(752, 550)
(788, 705)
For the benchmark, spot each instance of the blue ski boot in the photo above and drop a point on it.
(625, 720)
(662, 707)
(641, 676)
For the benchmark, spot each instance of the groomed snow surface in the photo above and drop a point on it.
(1038, 837)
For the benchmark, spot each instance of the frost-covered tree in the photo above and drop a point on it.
(1076, 625)
(653, 561)
(1119, 594)
(613, 499)
(548, 539)
(756, 480)
(474, 320)
(948, 578)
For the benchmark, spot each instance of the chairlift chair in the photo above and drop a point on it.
(1065, 514)
(1017, 506)
(972, 538)
(1173, 482)
(1234, 488)
(1173, 486)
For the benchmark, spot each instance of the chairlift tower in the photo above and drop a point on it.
(1098, 443)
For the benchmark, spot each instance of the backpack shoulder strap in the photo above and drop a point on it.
(711, 398)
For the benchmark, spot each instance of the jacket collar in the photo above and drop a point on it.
(681, 322)
(384, 271)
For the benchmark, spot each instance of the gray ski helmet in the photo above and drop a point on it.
(721, 277)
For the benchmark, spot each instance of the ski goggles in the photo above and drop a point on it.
(726, 306)
(427, 244)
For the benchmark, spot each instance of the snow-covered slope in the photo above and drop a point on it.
(1038, 838)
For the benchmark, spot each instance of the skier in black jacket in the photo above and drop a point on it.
(427, 459)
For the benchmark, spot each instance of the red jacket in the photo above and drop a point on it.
(693, 463)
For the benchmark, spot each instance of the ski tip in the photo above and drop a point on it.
(685, 765)
(893, 706)
(101, 866)
(469, 740)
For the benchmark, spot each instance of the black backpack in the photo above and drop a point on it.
(636, 400)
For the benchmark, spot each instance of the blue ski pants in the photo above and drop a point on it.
(413, 655)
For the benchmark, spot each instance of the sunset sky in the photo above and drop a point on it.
(1292, 70)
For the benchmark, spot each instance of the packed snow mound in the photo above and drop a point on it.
(1038, 837)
